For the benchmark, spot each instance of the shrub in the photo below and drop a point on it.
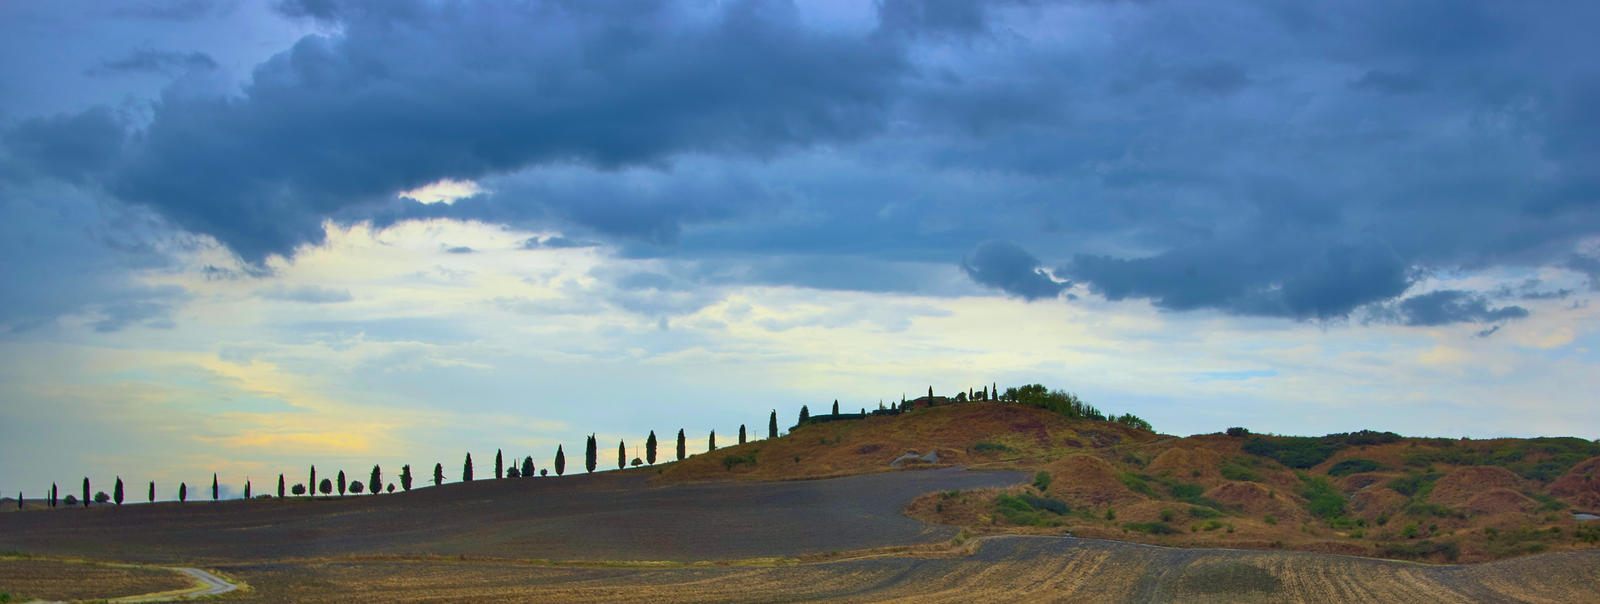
(1183, 490)
(1167, 515)
(356, 487)
(1414, 485)
(989, 447)
(1270, 519)
(102, 497)
(1137, 483)
(1152, 528)
(1410, 531)
(1239, 468)
(1133, 421)
(730, 461)
(1353, 466)
(70, 500)
(1322, 500)
(1196, 511)
(1238, 432)
(1041, 481)
(299, 489)
(1306, 451)
(1046, 504)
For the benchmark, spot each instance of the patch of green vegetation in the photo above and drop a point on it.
(1046, 504)
(1065, 404)
(1138, 483)
(1449, 550)
(1415, 484)
(1354, 465)
(1203, 512)
(1241, 468)
(1524, 540)
(1542, 459)
(989, 447)
(728, 462)
(1041, 481)
(1547, 503)
(1183, 490)
(1152, 528)
(1305, 451)
(1021, 511)
(1423, 509)
(1322, 500)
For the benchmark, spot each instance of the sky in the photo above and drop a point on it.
(244, 237)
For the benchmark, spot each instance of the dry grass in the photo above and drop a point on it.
(50, 579)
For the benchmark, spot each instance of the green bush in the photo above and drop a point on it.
(1041, 481)
(1152, 528)
(1413, 485)
(1137, 483)
(1203, 512)
(989, 447)
(1183, 490)
(1046, 504)
(1019, 510)
(728, 462)
(1065, 404)
(1322, 500)
(1233, 470)
(1305, 451)
(1354, 465)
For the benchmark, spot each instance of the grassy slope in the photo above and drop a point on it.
(1422, 499)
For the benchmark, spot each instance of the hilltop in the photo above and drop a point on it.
(1364, 493)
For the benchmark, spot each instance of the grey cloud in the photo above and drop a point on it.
(554, 242)
(459, 249)
(149, 307)
(308, 294)
(173, 10)
(1011, 269)
(1448, 306)
(156, 61)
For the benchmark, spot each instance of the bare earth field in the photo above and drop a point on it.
(58, 580)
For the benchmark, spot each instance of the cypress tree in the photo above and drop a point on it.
(805, 414)
(930, 395)
(247, 488)
(213, 486)
(85, 491)
(466, 469)
(589, 455)
(561, 461)
(280, 486)
(527, 467)
(116, 492)
(152, 491)
(622, 456)
(19, 500)
(438, 474)
(650, 448)
(499, 465)
(375, 481)
(183, 492)
(311, 486)
(340, 483)
(405, 477)
(682, 448)
(741, 434)
(711, 443)
(835, 406)
(54, 493)
(772, 425)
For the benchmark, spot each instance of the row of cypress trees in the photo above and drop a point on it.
(375, 485)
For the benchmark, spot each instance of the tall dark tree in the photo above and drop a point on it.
(930, 395)
(54, 494)
(835, 406)
(438, 474)
(85, 491)
(280, 486)
(374, 481)
(527, 467)
(152, 491)
(312, 484)
(772, 425)
(340, 483)
(247, 488)
(19, 500)
(994, 391)
(741, 434)
(622, 456)
(326, 486)
(805, 414)
(116, 492)
(650, 448)
(499, 465)
(590, 454)
(213, 486)
(711, 441)
(405, 477)
(682, 448)
(561, 461)
(466, 469)
(183, 492)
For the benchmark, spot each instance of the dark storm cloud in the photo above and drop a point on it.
(1262, 159)
(172, 10)
(1011, 269)
(554, 242)
(156, 61)
(1455, 306)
